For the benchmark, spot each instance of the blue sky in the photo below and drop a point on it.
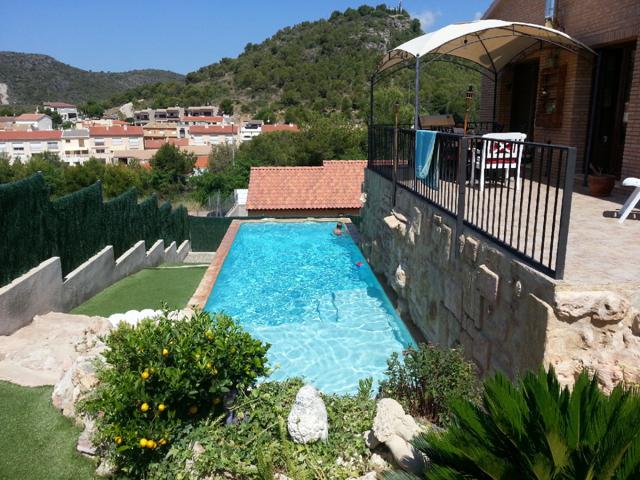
(178, 35)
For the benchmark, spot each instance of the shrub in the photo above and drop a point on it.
(427, 379)
(538, 430)
(257, 444)
(160, 377)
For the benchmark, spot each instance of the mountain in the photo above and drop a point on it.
(33, 78)
(322, 66)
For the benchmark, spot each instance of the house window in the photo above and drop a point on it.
(3, 147)
(99, 150)
(18, 147)
(52, 145)
(117, 141)
(99, 142)
(134, 142)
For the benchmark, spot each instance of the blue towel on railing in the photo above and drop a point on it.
(426, 168)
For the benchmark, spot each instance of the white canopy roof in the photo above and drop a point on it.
(491, 44)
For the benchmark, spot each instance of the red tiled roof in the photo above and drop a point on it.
(213, 129)
(29, 117)
(336, 184)
(150, 144)
(58, 105)
(30, 135)
(215, 119)
(202, 161)
(116, 131)
(280, 128)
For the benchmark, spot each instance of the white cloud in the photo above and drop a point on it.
(477, 16)
(427, 18)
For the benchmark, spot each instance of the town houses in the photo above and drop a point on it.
(111, 141)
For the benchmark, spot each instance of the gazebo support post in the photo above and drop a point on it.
(416, 120)
(495, 97)
(370, 149)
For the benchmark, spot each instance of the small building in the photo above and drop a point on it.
(34, 121)
(160, 131)
(67, 111)
(75, 146)
(201, 111)
(251, 129)
(105, 141)
(213, 135)
(20, 145)
(333, 189)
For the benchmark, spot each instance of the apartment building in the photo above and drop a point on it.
(67, 111)
(213, 135)
(105, 141)
(20, 145)
(201, 111)
(75, 146)
(151, 115)
(160, 131)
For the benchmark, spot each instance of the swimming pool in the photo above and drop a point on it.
(314, 298)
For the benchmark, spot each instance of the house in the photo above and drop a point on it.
(560, 98)
(201, 111)
(20, 145)
(106, 141)
(67, 111)
(160, 131)
(34, 121)
(171, 114)
(75, 146)
(328, 190)
(213, 135)
(251, 129)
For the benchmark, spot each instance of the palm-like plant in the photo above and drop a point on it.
(538, 430)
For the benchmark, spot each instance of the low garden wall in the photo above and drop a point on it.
(463, 289)
(44, 288)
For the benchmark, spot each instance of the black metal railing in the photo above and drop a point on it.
(518, 194)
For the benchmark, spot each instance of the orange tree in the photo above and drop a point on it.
(164, 375)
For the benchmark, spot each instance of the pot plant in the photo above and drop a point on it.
(600, 184)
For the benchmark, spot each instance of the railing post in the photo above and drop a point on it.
(463, 149)
(565, 213)
(395, 152)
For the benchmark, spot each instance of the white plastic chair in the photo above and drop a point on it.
(633, 199)
(499, 155)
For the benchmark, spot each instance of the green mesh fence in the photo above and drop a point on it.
(208, 232)
(77, 226)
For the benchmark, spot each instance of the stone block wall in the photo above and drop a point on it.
(43, 289)
(465, 290)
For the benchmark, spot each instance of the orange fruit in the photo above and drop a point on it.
(165, 352)
(193, 410)
(144, 375)
(118, 440)
(215, 371)
(143, 443)
(209, 335)
(162, 441)
(151, 444)
(209, 365)
(144, 407)
(216, 401)
(161, 407)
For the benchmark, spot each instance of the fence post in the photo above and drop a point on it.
(463, 149)
(565, 213)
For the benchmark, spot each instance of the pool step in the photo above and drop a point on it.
(327, 309)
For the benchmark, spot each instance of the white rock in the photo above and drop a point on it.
(116, 318)
(308, 420)
(406, 455)
(391, 420)
(85, 445)
(106, 469)
(147, 313)
(367, 476)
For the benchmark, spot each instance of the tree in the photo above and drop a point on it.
(221, 157)
(56, 119)
(226, 107)
(170, 169)
(267, 116)
(92, 109)
(536, 430)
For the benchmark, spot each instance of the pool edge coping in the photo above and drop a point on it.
(205, 287)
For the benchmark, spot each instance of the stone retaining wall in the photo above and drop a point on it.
(43, 289)
(471, 292)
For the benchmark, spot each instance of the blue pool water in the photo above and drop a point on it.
(298, 287)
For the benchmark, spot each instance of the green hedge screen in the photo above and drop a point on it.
(75, 227)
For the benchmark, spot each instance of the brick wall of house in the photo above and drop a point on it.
(595, 23)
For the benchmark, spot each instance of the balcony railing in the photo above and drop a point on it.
(517, 194)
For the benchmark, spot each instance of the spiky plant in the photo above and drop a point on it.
(538, 430)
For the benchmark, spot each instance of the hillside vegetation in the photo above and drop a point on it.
(321, 66)
(33, 78)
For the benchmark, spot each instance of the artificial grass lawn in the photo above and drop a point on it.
(148, 288)
(37, 442)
